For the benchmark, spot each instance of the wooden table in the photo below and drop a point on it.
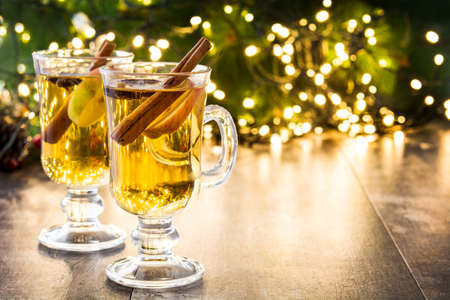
(322, 218)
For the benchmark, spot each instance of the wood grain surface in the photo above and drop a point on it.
(295, 223)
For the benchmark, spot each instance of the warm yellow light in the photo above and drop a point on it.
(284, 134)
(337, 61)
(242, 122)
(353, 118)
(370, 129)
(339, 47)
(361, 105)
(366, 18)
(369, 32)
(155, 53)
(288, 48)
(310, 73)
(211, 87)
(335, 99)
(23, 89)
(264, 130)
(319, 79)
(219, 94)
(228, 9)
(111, 36)
(372, 41)
(438, 59)
(288, 86)
(89, 32)
(251, 50)
(289, 69)
(36, 97)
(195, 20)
(248, 103)
(277, 50)
(447, 113)
(297, 108)
(276, 27)
(343, 127)
(286, 59)
(366, 78)
(352, 23)
(147, 2)
(326, 3)
(288, 113)
(306, 127)
(271, 37)
(342, 113)
(416, 84)
(382, 63)
(320, 99)
(401, 119)
(432, 37)
(77, 43)
(53, 46)
(303, 96)
(206, 25)
(138, 41)
(367, 118)
(303, 22)
(372, 89)
(322, 16)
(163, 43)
(399, 136)
(3, 31)
(447, 104)
(388, 120)
(19, 28)
(325, 68)
(26, 37)
(355, 128)
(249, 17)
(284, 32)
(318, 130)
(360, 96)
(429, 100)
(312, 27)
(275, 140)
(21, 68)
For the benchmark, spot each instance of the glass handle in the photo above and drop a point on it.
(229, 142)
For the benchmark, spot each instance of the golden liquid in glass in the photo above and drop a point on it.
(154, 176)
(80, 157)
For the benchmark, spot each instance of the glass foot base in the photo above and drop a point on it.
(163, 273)
(82, 238)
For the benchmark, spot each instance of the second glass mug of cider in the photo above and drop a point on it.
(74, 145)
(158, 171)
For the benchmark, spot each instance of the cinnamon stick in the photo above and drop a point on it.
(59, 124)
(136, 122)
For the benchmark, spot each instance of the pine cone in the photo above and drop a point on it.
(14, 156)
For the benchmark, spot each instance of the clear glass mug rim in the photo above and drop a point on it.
(109, 69)
(53, 54)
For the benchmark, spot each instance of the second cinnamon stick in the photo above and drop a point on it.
(137, 121)
(59, 124)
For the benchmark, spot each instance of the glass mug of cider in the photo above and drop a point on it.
(75, 143)
(156, 163)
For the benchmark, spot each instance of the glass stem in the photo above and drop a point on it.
(82, 206)
(155, 238)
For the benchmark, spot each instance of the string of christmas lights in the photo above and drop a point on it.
(319, 73)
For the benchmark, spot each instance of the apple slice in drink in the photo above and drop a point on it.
(168, 129)
(175, 115)
(87, 105)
